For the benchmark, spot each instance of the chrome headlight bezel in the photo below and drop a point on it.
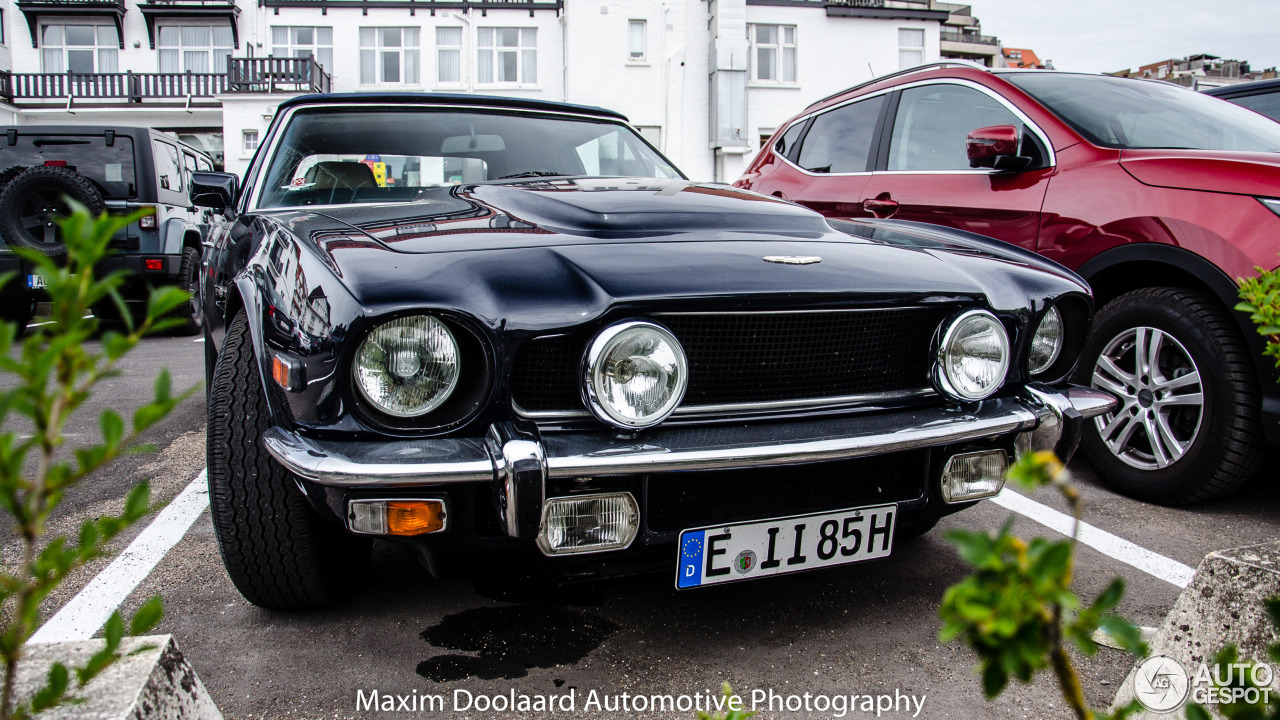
(454, 352)
(593, 392)
(949, 332)
(1051, 315)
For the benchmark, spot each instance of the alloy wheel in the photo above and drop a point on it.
(1161, 398)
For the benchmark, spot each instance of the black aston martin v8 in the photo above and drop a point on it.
(510, 330)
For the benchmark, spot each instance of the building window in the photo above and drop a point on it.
(652, 133)
(194, 48)
(250, 143)
(636, 40)
(2, 26)
(448, 55)
(910, 47)
(773, 53)
(80, 48)
(507, 56)
(389, 55)
(302, 42)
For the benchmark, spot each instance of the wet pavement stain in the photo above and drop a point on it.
(511, 639)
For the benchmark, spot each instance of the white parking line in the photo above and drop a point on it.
(1167, 569)
(89, 610)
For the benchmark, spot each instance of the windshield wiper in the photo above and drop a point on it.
(532, 173)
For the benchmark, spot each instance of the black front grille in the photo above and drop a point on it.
(758, 357)
(678, 501)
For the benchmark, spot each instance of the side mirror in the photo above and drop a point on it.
(995, 147)
(214, 190)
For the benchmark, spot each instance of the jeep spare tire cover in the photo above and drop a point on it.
(32, 202)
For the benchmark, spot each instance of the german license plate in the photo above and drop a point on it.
(744, 551)
(35, 282)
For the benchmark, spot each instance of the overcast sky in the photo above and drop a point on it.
(1109, 35)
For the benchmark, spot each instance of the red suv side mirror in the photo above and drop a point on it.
(995, 147)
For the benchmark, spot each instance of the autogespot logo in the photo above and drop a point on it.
(1161, 684)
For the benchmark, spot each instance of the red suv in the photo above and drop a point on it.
(1160, 197)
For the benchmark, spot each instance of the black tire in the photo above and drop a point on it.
(32, 200)
(1201, 452)
(279, 553)
(189, 279)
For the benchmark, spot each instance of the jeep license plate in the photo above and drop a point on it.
(35, 282)
(744, 551)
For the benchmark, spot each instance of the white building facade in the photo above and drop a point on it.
(705, 80)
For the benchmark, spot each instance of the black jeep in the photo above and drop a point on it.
(106, 169)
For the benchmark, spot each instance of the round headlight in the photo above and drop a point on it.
(635, 374)
(408, 366)
(972, 357)
(1046, 344)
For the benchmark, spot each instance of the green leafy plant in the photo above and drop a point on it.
(732, 714)
(1267, 706)
(1260, 297)
(51, 375)
(1017, 610)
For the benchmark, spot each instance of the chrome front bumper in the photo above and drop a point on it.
(519, 463)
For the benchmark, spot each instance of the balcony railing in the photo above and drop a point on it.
(244, 75)
(948, 36)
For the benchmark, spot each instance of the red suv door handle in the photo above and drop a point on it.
(880, 204)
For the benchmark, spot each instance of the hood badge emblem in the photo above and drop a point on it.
(793, 259)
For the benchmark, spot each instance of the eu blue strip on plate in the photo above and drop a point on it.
(691, 560)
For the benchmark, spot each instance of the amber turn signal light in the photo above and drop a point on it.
(404, 518)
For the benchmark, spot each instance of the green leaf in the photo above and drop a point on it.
(147, 617)
(1127, 635)
(112, 427)
(114, 631)
(1196, 712)
(135, 505)
(162, 385)
(54, 689)
(1109, 597)
(994, 680)
(165, 300)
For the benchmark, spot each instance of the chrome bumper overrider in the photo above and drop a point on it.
(1045, 412)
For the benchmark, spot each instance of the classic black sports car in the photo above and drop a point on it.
(512, 328)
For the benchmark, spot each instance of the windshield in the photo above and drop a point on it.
(1123, 113)
(331, 157)
(109, 167)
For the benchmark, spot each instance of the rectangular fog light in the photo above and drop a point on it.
(970, 476)
(588, 523)
(402, 518)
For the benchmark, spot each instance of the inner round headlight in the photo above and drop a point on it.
(1046, 344)
(408, 366)
(972, 357)
(635, 374)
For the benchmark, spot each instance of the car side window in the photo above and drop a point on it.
(785, 144)
(203, 165)
(839, 141)
(932, 123)
(1267, 104)
(168, 166)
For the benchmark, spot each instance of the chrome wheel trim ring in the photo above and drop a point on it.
(1161, 398)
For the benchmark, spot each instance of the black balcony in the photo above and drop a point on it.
(962, 37)
(244, 75)
(431, 6)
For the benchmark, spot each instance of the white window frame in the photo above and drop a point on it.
(780, 48)
(249, 140)
(405, 50)
(459, 50)
(316, 49)
(494, 52)
(903, 62)
(643, 26)
(213, 51)
(111, 47)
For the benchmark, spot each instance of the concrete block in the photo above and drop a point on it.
(1222, 605)
(151, 681)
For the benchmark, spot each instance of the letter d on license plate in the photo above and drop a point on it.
(744, 551)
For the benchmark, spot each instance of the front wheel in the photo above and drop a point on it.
(1188, 427)
(279, 553)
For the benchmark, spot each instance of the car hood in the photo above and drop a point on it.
(1239, 173)
(539, 255)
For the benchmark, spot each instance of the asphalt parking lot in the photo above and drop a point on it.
(868, 629)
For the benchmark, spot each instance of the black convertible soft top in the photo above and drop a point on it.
(409, 98)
